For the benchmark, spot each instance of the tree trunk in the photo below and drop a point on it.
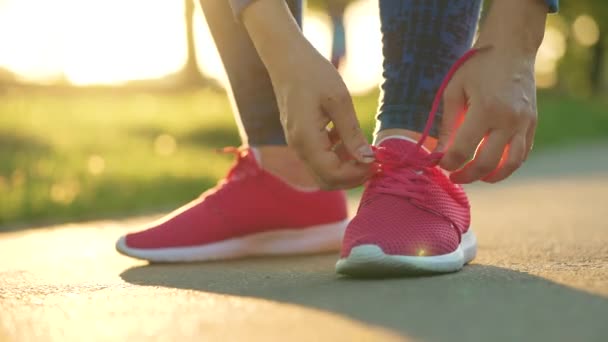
(190, 74)
(336, 11)
(596, 75)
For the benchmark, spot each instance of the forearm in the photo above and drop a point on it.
(278, 41)
(514, 25)
(238, 6)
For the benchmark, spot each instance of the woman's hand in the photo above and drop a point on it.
(310, 95)
(490, 104)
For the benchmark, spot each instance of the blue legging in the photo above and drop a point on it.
(421, 39)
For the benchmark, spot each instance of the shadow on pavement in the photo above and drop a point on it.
(481, 303)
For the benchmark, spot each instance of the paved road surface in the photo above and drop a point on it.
(541, 275)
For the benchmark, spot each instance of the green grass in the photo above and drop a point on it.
(89, 155)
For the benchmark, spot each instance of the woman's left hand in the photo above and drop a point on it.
(490, 114)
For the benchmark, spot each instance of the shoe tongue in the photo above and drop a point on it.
(404, 146)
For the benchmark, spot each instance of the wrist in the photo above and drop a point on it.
(514, 26)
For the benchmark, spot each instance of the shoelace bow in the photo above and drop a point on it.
(412, 170)
(408, 170)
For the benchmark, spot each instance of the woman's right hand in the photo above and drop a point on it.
(310, 95)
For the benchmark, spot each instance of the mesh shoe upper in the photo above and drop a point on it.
(250, 200)
(411, 207)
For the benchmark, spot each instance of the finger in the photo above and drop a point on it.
(337, 146)
(512, 159)
(454, 109)
(530, 138)
(333, 173)
(486, 160)
(315, 148)
(467, 139)
(341, 111)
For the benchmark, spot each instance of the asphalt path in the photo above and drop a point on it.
(541, 275)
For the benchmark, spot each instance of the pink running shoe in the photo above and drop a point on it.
(412, 218)
(251, 212)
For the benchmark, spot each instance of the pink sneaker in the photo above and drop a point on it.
(411, 218)
(249, 213)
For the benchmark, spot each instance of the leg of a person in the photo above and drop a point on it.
(418, 220)
(336, 10)
(229, 221)
(252, 93)
(421, 40)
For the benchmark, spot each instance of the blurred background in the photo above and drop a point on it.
(116, 107)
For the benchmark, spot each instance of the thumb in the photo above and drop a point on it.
(454, 108)
(341, 112)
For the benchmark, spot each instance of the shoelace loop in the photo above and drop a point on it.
(411, 170)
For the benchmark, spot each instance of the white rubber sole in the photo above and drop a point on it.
(371, 261)
(315, 239)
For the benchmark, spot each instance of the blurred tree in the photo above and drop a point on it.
(335, 9)
(190, 74)
(598, 10)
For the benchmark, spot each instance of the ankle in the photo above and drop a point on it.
(430, 143)
(283, 162)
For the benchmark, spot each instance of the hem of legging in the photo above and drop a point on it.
(238, 6)
(401, 121)
(266, 142)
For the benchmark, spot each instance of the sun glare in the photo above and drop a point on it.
(585, 29)
(89, 42)
(550, 52)
(31, 50)
(113, 41)
(363, 65)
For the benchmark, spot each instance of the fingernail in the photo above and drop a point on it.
(367, 155)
